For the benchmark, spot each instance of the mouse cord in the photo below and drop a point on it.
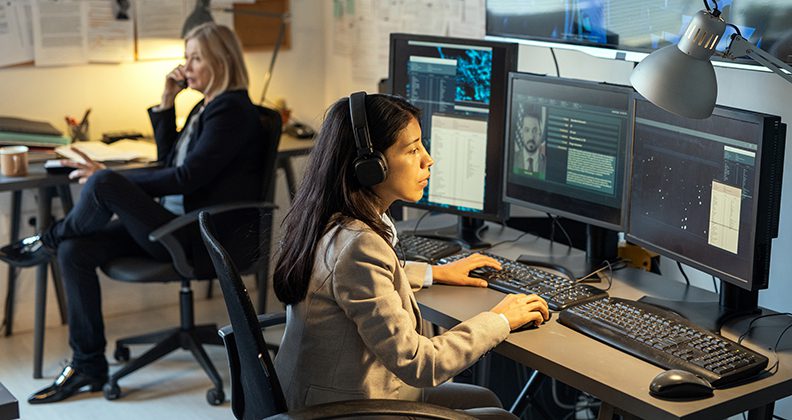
(756, 318)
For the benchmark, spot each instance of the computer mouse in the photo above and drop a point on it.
(531, 326)
(676, 384)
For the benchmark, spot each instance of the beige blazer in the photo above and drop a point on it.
(357, 334)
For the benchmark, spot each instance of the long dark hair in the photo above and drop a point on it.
(330, 194)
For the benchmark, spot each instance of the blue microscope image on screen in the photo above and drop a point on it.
(474, 72)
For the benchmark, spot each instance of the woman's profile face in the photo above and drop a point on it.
(408, 167)
(196, 69)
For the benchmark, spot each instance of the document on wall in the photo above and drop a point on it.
(16, 32)
(426, 17)
(466, 19)
(110, 40)
(59, 32)
(159, 28)
(343, 27)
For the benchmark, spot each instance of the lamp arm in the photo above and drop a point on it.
(739, 47)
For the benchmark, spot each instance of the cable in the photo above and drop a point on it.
(778, 417)
(715, 284)
(557, 400)
(682, 270)
(555, 61)
(554, 221)
(415, 229)
(507, 241)
(756, 318)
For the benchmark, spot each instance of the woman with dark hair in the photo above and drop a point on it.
(216, 158)
(353, 326)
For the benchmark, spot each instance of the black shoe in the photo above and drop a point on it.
(26, 252)
(68, 383)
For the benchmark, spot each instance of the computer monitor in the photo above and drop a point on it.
(567, 154)
(460, 87)
(707, 193)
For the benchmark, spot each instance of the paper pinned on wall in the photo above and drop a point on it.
(16, 32)
(59, 32)
(109, 40)
(159, 27)
(343, 26)
(467, 19)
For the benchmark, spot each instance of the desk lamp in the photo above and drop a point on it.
(202, 14)
(680, 78)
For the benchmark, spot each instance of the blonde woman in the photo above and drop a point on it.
(216, 158)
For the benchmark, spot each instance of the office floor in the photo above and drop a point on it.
(173, 387)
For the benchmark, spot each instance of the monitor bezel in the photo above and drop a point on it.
(494, 207)
(626, 90)
(759, 243)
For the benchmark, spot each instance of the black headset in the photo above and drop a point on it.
(370, 165)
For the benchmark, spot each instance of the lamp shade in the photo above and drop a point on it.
(680, 78)
(677, 82)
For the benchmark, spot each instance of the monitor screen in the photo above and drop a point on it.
(567, 148)
(642, 26)
(707, 192)
(460, 87)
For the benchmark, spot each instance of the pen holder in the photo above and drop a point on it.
(79, 132)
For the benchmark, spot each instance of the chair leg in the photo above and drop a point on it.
(161, 349)
(193, 344)
(150, 338)
(207, 334)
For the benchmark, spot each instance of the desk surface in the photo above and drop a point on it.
(603, 371)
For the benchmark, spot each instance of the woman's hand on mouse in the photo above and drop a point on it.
(521, 309)
(457, 272)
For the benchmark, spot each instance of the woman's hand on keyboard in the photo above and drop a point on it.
(522, 309)
(458, 272)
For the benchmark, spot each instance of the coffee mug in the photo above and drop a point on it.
(14, 160)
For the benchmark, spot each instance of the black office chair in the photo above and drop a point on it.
(255, 390)
(188, 336)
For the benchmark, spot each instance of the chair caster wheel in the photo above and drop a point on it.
(215, 396)
(111, 391)
(121, 354)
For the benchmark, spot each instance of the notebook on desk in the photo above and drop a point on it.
(120, 151)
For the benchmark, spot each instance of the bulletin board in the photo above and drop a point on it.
(261, 32)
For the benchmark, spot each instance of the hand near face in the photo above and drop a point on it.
(456, 273)
(82, 171)
(521, 309)
(175, 81)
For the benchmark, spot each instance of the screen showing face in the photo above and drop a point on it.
(567, 147)
(635, 25)
(459, 86)
(695, 188)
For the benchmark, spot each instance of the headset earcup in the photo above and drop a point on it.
(371, 169)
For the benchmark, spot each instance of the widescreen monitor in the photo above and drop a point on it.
(460, 87)
(568, 148)
(707, 192)
(619, 27)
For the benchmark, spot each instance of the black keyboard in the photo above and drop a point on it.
(559, 291)
(421, 248)
(664, 338)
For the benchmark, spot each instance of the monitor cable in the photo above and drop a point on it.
(773, 369)
(555, 61)
(682, 270)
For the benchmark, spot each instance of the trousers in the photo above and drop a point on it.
(474, 400)
(90, 236)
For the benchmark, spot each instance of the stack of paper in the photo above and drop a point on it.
(120, 151)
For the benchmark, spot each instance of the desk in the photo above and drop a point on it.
(618, 379)
(9, 406)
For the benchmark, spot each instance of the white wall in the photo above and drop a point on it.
(119, 96)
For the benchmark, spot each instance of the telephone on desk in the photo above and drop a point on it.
(299, 130)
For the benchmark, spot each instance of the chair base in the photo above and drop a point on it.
(166, 342)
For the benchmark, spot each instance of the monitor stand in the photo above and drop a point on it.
(733, 302)
(601, 245)
(466, 231)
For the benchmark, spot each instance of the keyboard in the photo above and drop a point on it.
(421, 248)
(559, 291)
(664, 338)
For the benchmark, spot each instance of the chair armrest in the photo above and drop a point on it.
(164, 233)
(360, 408)
(192, 217)
(264, 320)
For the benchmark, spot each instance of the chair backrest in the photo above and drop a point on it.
(255, 390)
(272, 123)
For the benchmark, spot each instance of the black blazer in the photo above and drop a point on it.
(224, 162)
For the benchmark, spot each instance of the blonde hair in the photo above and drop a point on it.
(221, 49)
